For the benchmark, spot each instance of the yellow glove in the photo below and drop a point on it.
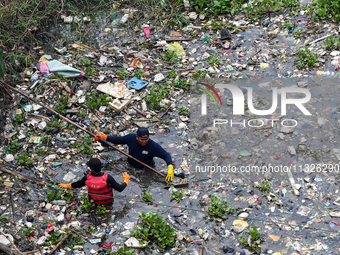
(65, 186)
(170, 176)
(104, 137)
(126, 178)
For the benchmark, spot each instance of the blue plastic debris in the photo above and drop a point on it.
(136, 83)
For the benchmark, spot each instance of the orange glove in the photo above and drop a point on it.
(104, 137)
(65, 186)
(126, 178)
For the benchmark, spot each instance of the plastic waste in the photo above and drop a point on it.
(177, 48)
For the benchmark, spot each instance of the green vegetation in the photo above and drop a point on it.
(214, 60)
(101, 210)
(177, 196)
(86, 204)
(184, 111)
(306, 59)
(252, 240)
(67, 195)
(121, 251)
(122, 74)
(263, 186)
(216, 25)
(46, 139)
(19, 118)
(262, 7)
(199, 74)
(218, 208)
(24, 159)
(147, 196)
(96, 100)
(157, 93)
(324, 9)
(139, 74)
(14, 147)
(170, 57)
(153, 229)
(39, 151)
(84, 147)
(62, 105)
(85, 62)
(216, 7)
(54, 123)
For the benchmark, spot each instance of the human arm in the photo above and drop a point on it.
(161, 153)
(77, 184)
(111, 183)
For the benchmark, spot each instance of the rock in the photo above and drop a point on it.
(287, 130)
(280, 136)
(291, 150)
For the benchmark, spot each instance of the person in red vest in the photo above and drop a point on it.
(100, 184)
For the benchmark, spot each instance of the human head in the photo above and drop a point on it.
(239, 251)
(142, 136)
(95, 165)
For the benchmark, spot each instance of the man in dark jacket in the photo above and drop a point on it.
(99, 184)
(143, 149)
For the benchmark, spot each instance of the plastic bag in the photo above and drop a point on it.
(177, 48)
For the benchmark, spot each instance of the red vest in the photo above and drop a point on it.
(98, 185)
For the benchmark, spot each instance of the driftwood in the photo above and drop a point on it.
(8, 250)
(60, 243)
(23, 176)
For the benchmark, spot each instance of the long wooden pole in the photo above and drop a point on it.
(78, 126)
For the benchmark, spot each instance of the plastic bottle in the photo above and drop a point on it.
(59, 202)
(124, 18)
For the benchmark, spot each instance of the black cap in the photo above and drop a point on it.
(225, 35)
(95, 164)
(142, 131)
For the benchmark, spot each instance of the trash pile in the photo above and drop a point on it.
(157, 80)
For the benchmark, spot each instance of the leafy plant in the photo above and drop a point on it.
(263, 186)
(14, 147)
(24, 159)
(252, 240)
(85, 62)
(177, 196)
(50, 195)
(217, 7)
(27, 231)
(57, 76)
(86, 146)
(86, 204)
(147, 196)
(183, 110)
(101, 210)
(213, 60)
(199, 74)
(90, 71)
(155, 97)
(39, 151)
(139, 74)
(19, 118)
(122, 74)
(62, 105)
(182, 84)
(217, 208)
(153, 228)
(53, 238)
(96, 100)
(317, 155)
(121, 251)
(170, 57)
(323, 9)
(82, 113)
(91, 228)
(216, 25)
(330, 43)
(46, 139)
(306, 59)
(54, 123)
(297, 32)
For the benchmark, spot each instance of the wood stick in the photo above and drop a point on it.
(12, 204)
(78, 126)
(83, 235)
(324, 37)
(201, 251)
(170, 207)
(7, 250)
(29, 252)
(23, 176)
(139, 111)
(16, 249)
(60, 243)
